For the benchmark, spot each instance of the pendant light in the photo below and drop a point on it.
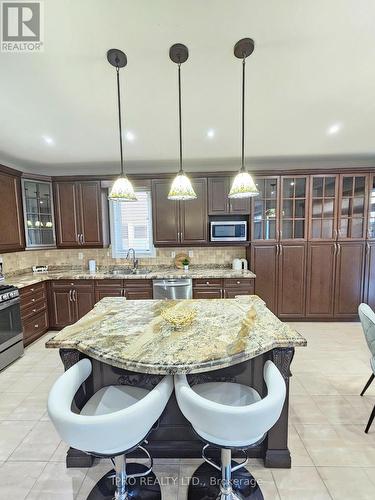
(122, 189)
(181, 188)
(243, 184)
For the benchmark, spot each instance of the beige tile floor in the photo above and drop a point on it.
(332, 457)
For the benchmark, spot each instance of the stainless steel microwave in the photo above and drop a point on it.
(228, 230)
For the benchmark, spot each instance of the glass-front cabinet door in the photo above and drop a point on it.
(323, 207)
(265, 210)
(293, 223)
(38, 212)
(352, 207)
(371, 210)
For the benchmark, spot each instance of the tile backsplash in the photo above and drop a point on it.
(19, 262)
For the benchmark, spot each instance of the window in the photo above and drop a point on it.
(131, 226)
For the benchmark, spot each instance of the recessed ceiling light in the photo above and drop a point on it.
(48, 140)
(210, 133)
(129, 136)
(334, 129)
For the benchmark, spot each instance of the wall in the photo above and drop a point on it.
(19, 262)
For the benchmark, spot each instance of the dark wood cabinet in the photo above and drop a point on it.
(352, 207)
(70, 301)
(323, 207)
(179, 222)
(291, 280)
(138, 289)
(78, 214)
(226, 288)
(264, 263)
(369, 292)
(349, 278)
(34, 312)
(12, 237)
(218, 201)
(108, 288)
(280, 277)
(320, 288)
(265, 214)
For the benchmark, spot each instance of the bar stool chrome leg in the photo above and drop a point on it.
(120, 468)
(226, 490)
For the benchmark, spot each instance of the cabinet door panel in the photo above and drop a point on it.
(349, 279)
(62, 312)
(193, 215)
(218, 189)
(11, 223)
(84, 302)
(90, 213)
(369, 297)
(165, 214)
(231, 293)
(292, 281)
(66, 214)
(265, 210)
(264, 265)
(320, 280)
(352, 211)
(138, 294)
(107, 292)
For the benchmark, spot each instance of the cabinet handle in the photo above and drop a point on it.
(70, 295)
(31, 289)
(281, 249)
(334, 249)
(238, 282)
(207, 282)
(335, 234)
(277, 249)
(367, 248)
(77, 239)
(82, 239)
(338, 249)
(34, 310)
(32, 300)
(74, 295)
(36, 326)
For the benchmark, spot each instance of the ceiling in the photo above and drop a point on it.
(310, 85)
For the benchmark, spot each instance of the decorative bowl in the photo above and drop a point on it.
(178, 317)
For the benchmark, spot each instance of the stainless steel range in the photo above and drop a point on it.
(11, 335)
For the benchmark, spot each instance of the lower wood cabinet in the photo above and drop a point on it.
(226, 288)
(70, 301)
(369, 289)
(320, 293)
(34, 312)
(280, 277)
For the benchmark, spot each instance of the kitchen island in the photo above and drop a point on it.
(132, 342)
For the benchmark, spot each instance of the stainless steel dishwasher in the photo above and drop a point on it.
(173, 289)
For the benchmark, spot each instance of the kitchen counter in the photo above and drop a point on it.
(133, 335)
(23, 280)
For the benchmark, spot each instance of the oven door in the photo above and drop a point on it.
(10, 323)
(228, 231)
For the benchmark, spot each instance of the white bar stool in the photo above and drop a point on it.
(229, 416)
(114, 421)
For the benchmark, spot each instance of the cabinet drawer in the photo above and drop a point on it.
(204, 282)
(67, 284)
(108, 283)
(33, 296)
(135, 283)
(31, 289)
(34, 309)
(238, 282)
(35, 327)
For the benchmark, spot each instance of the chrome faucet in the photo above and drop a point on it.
(135, 261)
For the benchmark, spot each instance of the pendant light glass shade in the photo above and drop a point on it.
(122, 190)
(181, 188)
(243, 186)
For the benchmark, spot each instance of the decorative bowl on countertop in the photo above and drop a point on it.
(178, 317)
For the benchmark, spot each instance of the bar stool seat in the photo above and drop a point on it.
(113, 422)
(229, 416)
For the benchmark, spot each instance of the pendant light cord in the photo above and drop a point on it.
(179, 113)
(119, 118)
(243, 115)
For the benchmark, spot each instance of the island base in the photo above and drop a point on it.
(174, 436)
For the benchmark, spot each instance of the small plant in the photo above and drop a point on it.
(186, 262)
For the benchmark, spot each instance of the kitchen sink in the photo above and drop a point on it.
(140, 270)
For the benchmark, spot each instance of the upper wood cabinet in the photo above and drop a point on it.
(218, 201)
(280, 212)
(11, 220)
(179, 222)
(352, 210)
(323, 208)
(371, 209)
(78, 214)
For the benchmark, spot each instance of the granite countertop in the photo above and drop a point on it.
(27, 279)
(133, 335)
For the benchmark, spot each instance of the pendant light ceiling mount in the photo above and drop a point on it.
(181, 188)
(244, 48)
(122, 189)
